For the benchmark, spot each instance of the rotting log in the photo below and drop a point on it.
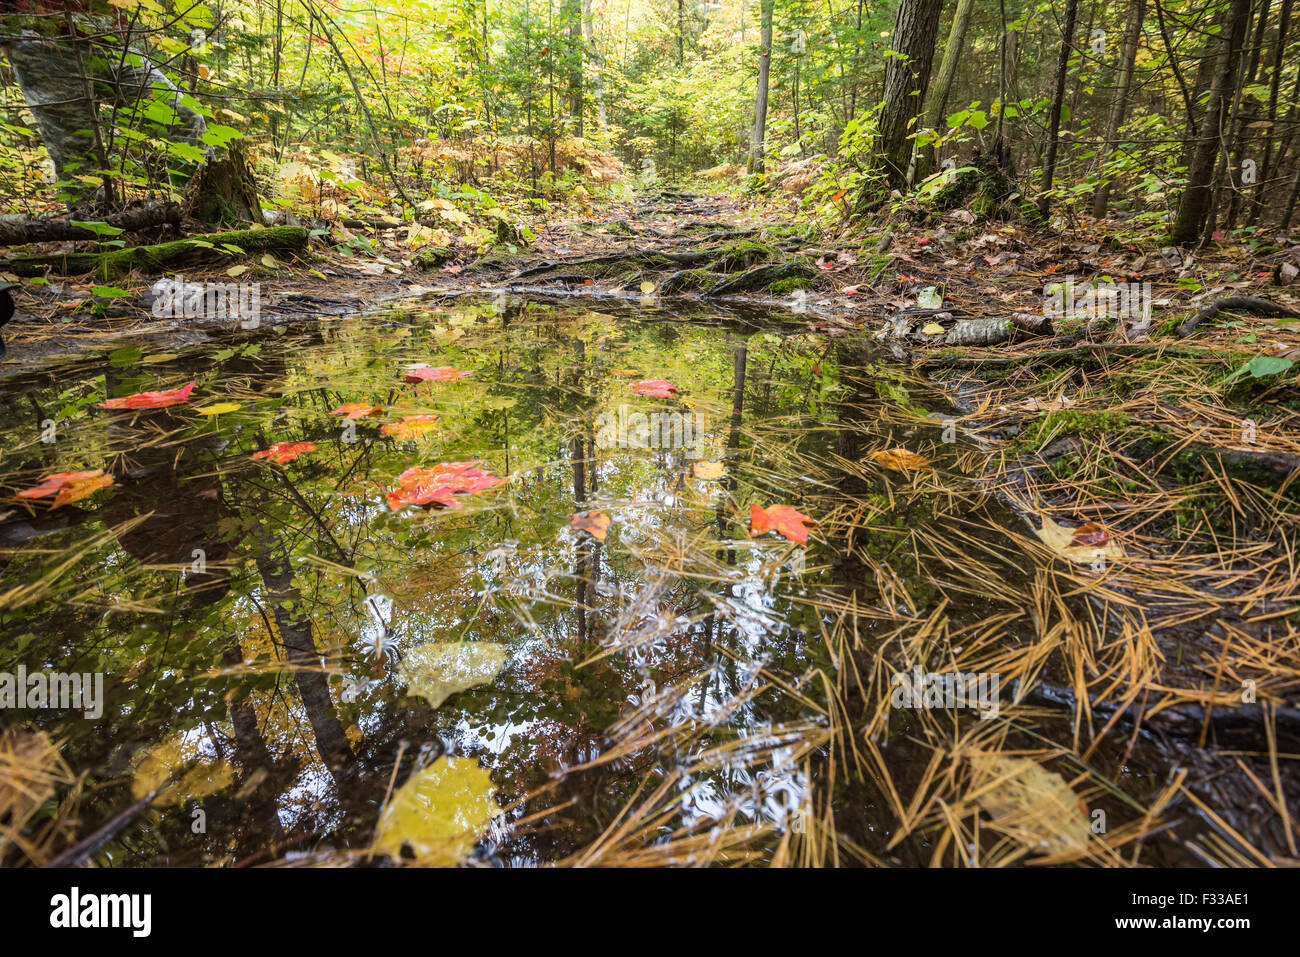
(157, 258)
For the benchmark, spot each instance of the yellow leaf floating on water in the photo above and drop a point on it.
(1086, 545)
(439, 669)
(1030, 804)
(647, 288)
(708, 470)
(901, 460)
(219, 408)
(154, 766)
(439, 812)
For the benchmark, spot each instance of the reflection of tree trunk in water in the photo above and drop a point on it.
(739, 364)
(300, 650)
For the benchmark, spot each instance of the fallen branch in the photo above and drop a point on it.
(1251, 304)
(20, 230)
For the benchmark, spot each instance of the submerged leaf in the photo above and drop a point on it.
(595, 524)
(708, 470)
(435, 374)
(655, 388)
(155, 766)
(901, 460)
(1034, 806)
(440, 813)
(439, 669)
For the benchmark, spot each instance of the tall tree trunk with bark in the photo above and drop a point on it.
(943, 83)
(1123, 79)
(758, 132)
(907, 74)
(1058, 98)
(1194, 205)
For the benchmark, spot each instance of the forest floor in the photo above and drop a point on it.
(1158, 459)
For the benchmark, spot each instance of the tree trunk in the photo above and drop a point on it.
(943, 84)
(1194, 205)
(224, 193)
(597, 76)
(1058, 97)
(906, 77)
(1123, 79)
(758, 133)
(1274, 88)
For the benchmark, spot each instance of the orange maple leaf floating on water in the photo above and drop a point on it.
(68, 487)
(783, 519)
(437, 374)
(411, 426)
(282, 453)
(439, 485)
(151, 400)
(655, 388)
(357, 410)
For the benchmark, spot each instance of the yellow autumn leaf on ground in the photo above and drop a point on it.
(270, 262)
(708, 470)
(440, 813)
(219, 408)
(154, 766)
(647, 288)
(1086, 544)
(932, 329)
(439, 669)
(1030, 804)
(901, 460)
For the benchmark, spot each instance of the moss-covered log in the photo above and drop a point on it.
(763, 276)
(163, 256)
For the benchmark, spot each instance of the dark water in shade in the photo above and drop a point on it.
(251, 621)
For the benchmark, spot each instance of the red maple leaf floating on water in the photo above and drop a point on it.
(68, 487)
(438, 374)
(656, 388)
(439, 485)
(780, 518)
(410, 426)
(284, 452)
(151, 400)
(357, 410)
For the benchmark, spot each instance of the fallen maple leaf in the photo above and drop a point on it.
(901, 460)
(438, 485)
(1089, 533)
(357, 410)
(656, 388)
(281, 453)
(411, 426)
(68, 487)
(438, 374)
(151, 400)
(783, 519)
(903, 278)
(595, 524)
(452, 268)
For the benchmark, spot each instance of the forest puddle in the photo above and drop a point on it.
(287, 658)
